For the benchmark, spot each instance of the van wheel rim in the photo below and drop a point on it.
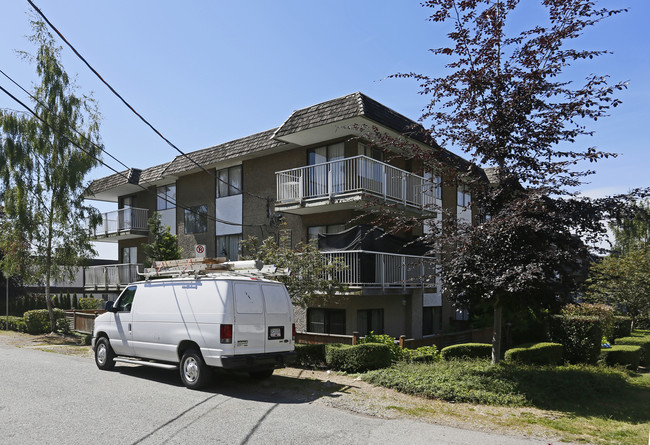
(101, 354)
(191, 369)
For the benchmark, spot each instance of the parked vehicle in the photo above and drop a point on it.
(195, 323)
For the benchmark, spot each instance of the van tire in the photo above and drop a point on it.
(195, 374)
(261, 374)
(104, 354)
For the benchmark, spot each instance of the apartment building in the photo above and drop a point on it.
(313, 177)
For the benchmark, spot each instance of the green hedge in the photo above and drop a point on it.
(383, 339)
(580, 335)
(622, 327)
(535, 354)
(467, 350)
(15, 324)
(626, 355)
(359, 358)
(643, 342)
(38, 321)
(90, 303)
(423, 354)
(310, 355)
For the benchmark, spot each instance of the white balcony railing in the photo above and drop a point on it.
(122, 220)
(111, 275)
(379, 269)
(354, 175)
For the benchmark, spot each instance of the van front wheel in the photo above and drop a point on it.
(195, 374)
(104, 354)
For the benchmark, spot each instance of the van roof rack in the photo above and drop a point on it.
(210, 266)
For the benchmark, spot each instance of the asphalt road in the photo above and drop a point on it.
(57, 399)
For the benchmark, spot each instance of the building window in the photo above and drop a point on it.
(229, 181)
(314, 231)
(166, 197)
(431, 319)
(196, 219)
(464, 198)
(370, 320)
(129, 255)
(228, 246)
(326, 321)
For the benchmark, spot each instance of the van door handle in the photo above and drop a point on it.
(129, 327)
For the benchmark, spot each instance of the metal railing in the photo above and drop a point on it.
(353, 175)
(111, 275)
(122, 220)
(379, 269)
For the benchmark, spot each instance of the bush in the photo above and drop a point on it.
(310, 355)
(467, 351)
(38, 321)
(15, 324)
(642, 323)
(63, 325)
(603, 312)
(581, 337)
(90, 303)
(626, 355)
(535, 354)
(395, 350)
(423, 354)
(358, 358)
(643, 342)
(622, 327)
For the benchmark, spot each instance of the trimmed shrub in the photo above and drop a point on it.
(625, 355)
(643, 342)
(622, 327)
(395, 350)
(467, 351)
(423, 354)
(310, 355)
(75, 303)
(535, 354)
(581, 337)
(603, 312)
(359, 358)
(38, 321)
(90, 303)
(15, 324)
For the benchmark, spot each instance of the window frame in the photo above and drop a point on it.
(231, 190)
(201, 215)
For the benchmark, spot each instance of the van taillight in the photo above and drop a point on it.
(293, 332)
(226, 333)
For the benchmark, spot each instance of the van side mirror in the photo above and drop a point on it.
(109, 307)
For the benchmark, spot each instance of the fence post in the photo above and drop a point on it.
(355, 338)
(74, 319)
(401, 341)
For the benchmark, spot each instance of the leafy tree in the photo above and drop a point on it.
(164, 246)
(43, 162)
(623, 281)
(506, 101)
(632, 232)
(311, 278)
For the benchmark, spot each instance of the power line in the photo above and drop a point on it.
(212, 218)
(131, 108)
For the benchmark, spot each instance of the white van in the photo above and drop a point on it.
(194, 323)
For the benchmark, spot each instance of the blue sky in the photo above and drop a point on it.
(206, 72)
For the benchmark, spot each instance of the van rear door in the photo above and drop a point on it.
(249, 329)
(278, 318)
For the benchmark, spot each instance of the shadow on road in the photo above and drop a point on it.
(238, 385)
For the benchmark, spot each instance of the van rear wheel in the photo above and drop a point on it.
(195, 374)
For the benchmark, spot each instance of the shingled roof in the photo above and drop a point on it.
(228, 150)
(130, 176)
(352, 105)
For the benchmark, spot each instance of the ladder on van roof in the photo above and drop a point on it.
(211, 266)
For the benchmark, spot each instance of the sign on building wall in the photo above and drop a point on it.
(199, 251)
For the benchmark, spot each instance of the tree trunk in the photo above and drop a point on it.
(48, 268)
(496, 333)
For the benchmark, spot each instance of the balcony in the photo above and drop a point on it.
(344, 183)
(122, 224)
(372, 270)
(111, 277)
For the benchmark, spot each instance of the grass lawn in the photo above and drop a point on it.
(587, 403)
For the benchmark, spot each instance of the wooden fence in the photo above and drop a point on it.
(84, 320)
(439, 340)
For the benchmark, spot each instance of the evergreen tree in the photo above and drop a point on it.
(164, 246)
